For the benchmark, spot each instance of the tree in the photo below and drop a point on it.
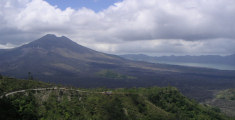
(1, 77)
(30, 76)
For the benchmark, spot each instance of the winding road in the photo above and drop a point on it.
(57, 88)
(44, 89)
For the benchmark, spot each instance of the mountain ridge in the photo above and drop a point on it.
(229, 59)
(60, 60)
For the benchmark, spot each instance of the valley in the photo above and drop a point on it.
(60, 60)
(64, 72)
(206, 61)
(66, 103)
(117, 60)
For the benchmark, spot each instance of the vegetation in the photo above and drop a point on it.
(228, 94)
(225, 100)
(114, 75)
(30, 76)
(152, 103)
(8, 84)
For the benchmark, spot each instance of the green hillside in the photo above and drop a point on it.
(63, 103)
(225, 100)
(8, 84)
(228, 94)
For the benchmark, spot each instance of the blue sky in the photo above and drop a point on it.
(96, 5)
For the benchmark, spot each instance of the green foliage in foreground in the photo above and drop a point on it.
(123, 104)
(12, 84)
(228, 94)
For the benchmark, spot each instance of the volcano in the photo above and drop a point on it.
(60, 60)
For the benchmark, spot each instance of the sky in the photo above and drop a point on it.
(153, 27)
(95, 5)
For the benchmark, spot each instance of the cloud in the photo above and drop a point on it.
(169, 47)
(184, 26)
(161, 19)
(7, 46)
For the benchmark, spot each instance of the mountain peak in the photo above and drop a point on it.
(51, 41)
(52, 37)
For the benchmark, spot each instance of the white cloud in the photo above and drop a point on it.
(39, 15)
(7, 46)
(151, 26)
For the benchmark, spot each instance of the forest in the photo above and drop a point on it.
(70, 103)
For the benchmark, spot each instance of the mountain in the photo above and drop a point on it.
(211, 59)
(54, 56)
(60, 60)
(28, 99)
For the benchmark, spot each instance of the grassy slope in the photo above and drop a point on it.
(225, 100)
(12, 84)
(228, 94)
(123, 104)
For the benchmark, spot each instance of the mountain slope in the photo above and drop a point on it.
(60, 60)
(152, 103)
(51, 55)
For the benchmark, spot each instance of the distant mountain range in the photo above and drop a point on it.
(207, 59)
(60, 60)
